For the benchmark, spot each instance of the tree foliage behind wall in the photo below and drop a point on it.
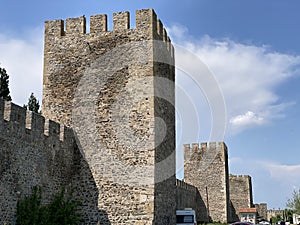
(4, 89)
(62, 210)
(275, 219)
(33, 104)
(294, 202)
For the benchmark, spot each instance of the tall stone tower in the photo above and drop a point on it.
(116, 90)
(206, 168)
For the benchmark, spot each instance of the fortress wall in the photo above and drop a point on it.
(106, 85)
(274, 213)
(206, 168)
(32, 152)
(188, 196)
(35, 151)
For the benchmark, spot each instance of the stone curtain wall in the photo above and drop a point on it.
(32, 152)
(240, 193)
(188, 196)
(273, 213)
(206, 168)
(114, 88)
(35, 151)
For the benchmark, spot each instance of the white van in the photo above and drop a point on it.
(186, 217)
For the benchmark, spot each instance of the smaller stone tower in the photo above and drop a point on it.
(206, 168)
(262, 210)
(240, 194)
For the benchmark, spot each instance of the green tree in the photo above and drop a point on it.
(62, 210)
(276, 219)
(294, 202)
(288, 215)
(28, 209)
(33, 104)
(4, 89)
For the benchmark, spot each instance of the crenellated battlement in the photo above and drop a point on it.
(205, 146)
(33, 151)
(186, 186)
(70, 50)
(21, 123)
(146, 20)
(239, 176)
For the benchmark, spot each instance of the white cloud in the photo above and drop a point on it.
(287, 173)
(268, 179)
(23, 61)
(248, 119)
(247, 75)
(280, 172)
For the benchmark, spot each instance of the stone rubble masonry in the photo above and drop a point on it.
(37, 151)
(262, 210)
(188, 196)
(240, 193)
(274, 213)
(69, 52)
(206, 168)
(33, 151)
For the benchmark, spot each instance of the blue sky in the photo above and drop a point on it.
(251, 47)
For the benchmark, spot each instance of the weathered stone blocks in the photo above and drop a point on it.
(206, 168)
(118, 122)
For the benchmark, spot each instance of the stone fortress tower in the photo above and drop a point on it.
(206, 167)
(241, 193)
(75, 61)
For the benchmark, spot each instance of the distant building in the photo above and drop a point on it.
(296, 218)
(248, 215)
